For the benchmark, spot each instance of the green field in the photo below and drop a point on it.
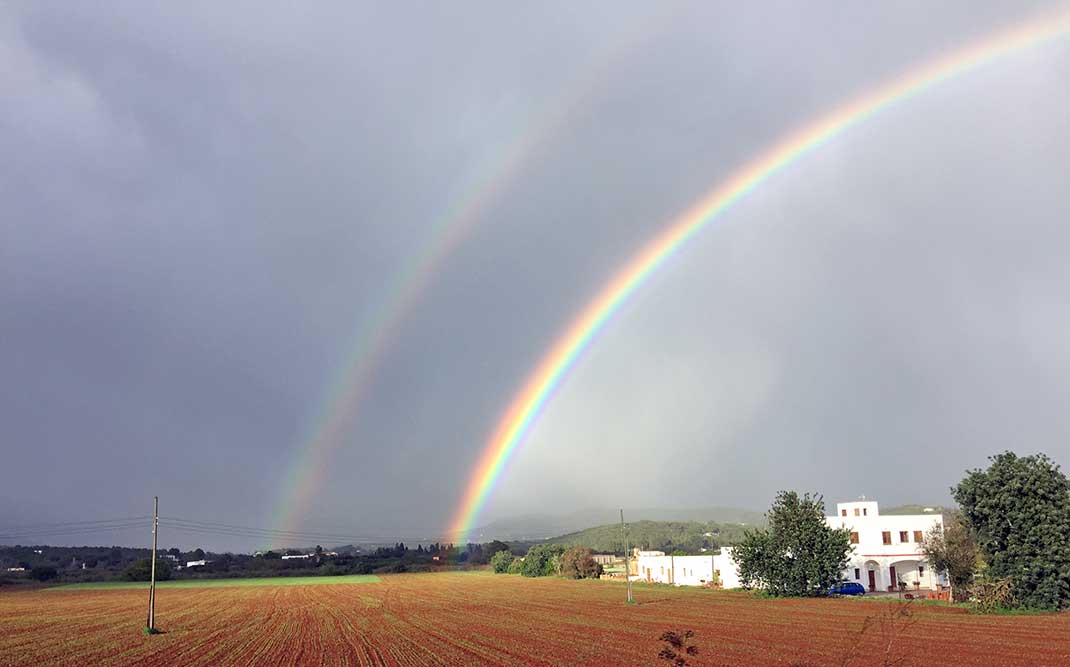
(223, 583)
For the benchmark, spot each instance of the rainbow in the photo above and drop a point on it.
(526, 406)
(374, 335)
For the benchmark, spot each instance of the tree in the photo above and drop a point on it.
(174, 552)
(141, 570)
(578, 563)
(799, 554)
(951, 548)
(500, 561)
(43, 572)
(494, 547)
(517, 566)
(198, 554)
(1019, 509)
(542, 560)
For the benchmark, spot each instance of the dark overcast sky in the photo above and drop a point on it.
(202, 201)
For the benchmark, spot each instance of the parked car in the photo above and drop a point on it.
(847, 588)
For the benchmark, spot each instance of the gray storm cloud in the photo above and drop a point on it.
(201, 205)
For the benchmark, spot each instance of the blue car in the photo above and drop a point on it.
(847, 588)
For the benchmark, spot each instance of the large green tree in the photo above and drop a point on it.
(951, 548)
(798, 554)
(1019, 509)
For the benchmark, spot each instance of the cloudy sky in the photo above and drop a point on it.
(205, 205)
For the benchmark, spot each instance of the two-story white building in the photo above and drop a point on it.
(885, 551)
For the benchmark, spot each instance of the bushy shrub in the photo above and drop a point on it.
(517, 566)
(142, 570)
(501, 561)
(578, 563)
(43, 572)
(542, 560)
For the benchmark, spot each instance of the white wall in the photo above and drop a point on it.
(726, 569)
(678, 570)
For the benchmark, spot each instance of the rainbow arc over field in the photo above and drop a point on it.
(374, 335)
(547, 376)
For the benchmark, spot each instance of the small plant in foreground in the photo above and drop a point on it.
(677, 647)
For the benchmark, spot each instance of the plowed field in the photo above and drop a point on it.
(484, 619)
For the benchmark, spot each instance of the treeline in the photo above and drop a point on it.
(549, 560)
(669, 536)
(70, 564)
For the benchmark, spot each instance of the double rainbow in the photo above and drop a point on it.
(554, 366)
(375, 334)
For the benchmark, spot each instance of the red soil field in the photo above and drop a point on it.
(485, 619)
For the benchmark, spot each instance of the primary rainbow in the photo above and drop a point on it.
(553, 367)
(375, 333)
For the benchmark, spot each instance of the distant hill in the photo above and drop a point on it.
(545, 526)
(916, 509)
(689, 536)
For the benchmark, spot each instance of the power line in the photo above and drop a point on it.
(71, 523)
(74, 530)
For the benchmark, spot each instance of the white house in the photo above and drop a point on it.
(677, 570)
(197, 563)
(886, 549)
(704, 570)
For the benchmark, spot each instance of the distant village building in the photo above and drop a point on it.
(605, 559)
(197, 563)
(885, 553)
(298, 556)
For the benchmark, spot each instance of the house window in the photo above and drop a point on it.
(843, 512)
(886, 537)
(921, 571)
(854, 538)
(917, 536)
(856, 511)
(863, 511)
(904, 536)
(858, 574)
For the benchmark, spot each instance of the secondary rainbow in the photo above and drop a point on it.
(373, 335)
(526, 406)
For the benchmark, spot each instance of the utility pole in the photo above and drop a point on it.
(672, 563)
(152, 580)
(627, 548)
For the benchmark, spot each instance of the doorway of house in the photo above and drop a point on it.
(892, 580)
(872, 581)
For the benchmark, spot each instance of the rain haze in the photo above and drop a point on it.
(205, 205)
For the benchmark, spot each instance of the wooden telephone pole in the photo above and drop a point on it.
(152, 579)
(627, 570)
